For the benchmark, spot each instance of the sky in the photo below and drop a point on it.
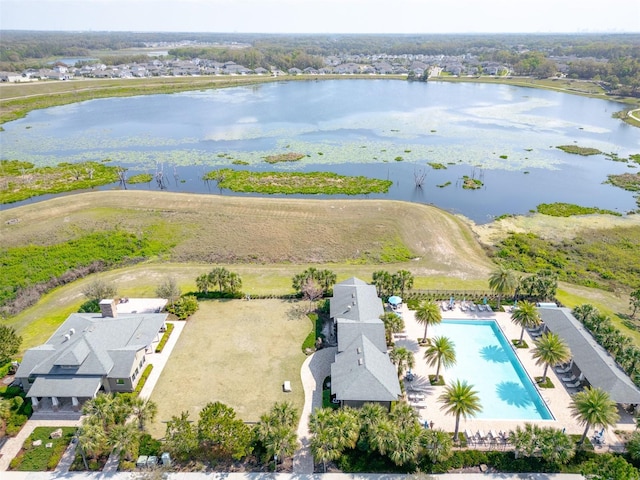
(323, 16)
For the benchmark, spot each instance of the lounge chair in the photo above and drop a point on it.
(575, 384)
(564, 369)
(570, 379)
(468, 436)
(488, 308)
(472, 307)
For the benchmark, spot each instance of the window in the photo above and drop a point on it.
(120, 381)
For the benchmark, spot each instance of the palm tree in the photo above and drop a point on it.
(584, 311)
(556, 446)
(101, 408)
(405, 281)
(91, 440)
(593, 406)
(428, 313)
(526, 316)
(440, 351)
(369, 416)
(461, 400)
(124, 439)
(437, 444)
(403, 358)
(144, 410)
(393, 323)
(332, 432)
(503, 281)
(550, 350)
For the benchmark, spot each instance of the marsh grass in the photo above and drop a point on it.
(326, 183)
(22, 180)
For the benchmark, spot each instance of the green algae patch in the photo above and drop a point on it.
(326, 183)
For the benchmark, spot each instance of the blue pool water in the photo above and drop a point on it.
(485, 359)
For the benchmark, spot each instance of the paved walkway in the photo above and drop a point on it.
(313, 372)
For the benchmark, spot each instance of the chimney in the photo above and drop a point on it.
(108, 308)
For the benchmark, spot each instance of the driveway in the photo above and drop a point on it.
(313, 372)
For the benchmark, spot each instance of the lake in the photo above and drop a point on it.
(504, 136)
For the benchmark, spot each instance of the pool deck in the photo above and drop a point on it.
(558, 399)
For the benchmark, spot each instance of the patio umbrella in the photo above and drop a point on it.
(395, 300)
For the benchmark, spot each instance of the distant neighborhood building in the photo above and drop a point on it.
(93, 352)
(362, 371)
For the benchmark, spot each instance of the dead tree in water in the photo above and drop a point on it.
(418, 177)
(122, 177)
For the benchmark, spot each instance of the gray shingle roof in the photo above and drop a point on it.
(355, 300)
(89, 345)
(598, 367)
(65, 387)
(363, 373)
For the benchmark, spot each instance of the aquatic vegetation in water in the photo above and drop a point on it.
(326, 183)
(469, 183)
(284, 157)
(437, 166)
(140, 178)
(560, 209)
(22, 180)
(445, 184)
(575, 149)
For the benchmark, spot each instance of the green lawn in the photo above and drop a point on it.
(42, 458)
(237, 352)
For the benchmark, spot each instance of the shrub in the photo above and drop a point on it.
(143, 379)
(165, 338)
(184, 307)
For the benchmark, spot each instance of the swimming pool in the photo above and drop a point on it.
(485, 359)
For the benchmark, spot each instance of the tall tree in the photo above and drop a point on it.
(403, 358)
(634, 302)
(277, 431)
(181, 437)
(460, 399)
(594, 407)
(441, 352)
(10, 343)
(221, 435)
(404, 280)
(584, 312)
(332, 432)
(428, 313)
(124, 439)
(383, 282)
(169, 289)
(393, 323)
(550, 350)
(92, 440)
(437, 444)
(503, 281)
(526, 316)
(144, 410)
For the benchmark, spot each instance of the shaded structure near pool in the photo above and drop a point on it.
(595, 363)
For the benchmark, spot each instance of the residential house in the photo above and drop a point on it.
(92, 352)
(362, 371)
